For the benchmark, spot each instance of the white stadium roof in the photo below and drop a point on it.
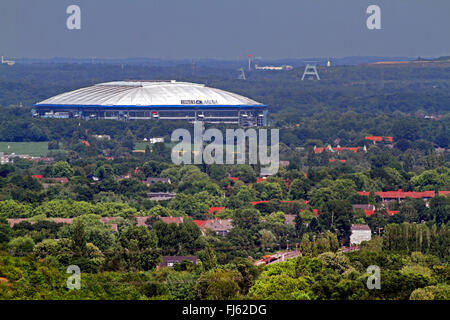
(148, 93)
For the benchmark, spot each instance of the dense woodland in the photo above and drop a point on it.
(411, 247)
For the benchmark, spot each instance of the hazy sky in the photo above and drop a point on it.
(227, 29)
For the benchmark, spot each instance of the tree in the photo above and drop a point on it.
(141, 247)
(62, 169)
(5, 231)
(208, 258)
(337, 262)
(299, 188)
(300, 227)
(267, 239)
(440, 209)
(21, 245)
(128, 141)
(219, 284)
(314, 226)
(53, 145)
(280, 287)
(79, 238)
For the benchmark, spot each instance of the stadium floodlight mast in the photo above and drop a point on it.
(250, 57)
(310, 70)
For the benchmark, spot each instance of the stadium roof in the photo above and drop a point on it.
(149, 93)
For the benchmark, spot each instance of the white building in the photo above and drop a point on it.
(156, 140)
(360, 233)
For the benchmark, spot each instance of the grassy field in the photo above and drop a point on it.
(34, 149)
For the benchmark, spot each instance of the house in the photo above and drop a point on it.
(176, 220)
(363, 206)
(360, 233)
(399, 195)
(48, 182)
(220, 226)
(156, 140)
(141, 220)
(101, 137)
(339, 160)
(92, 177)
(338, 149)
(171, 261)
(151, 181)
(159, 196)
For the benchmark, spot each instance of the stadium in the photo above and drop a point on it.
(156, 100)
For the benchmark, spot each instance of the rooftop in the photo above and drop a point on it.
(148, 93)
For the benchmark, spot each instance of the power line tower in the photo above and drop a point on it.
(241, 75)
(310, 70)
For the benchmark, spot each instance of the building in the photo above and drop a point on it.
(363, 207)
(171, 261)
(102, 137)
(152, 181)
(399, 195)
(154, 100)
(155, 140)
(220, 226)
(360, 233)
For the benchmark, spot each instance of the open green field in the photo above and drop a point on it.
(34, 149)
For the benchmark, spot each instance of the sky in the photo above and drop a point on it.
(223, 29)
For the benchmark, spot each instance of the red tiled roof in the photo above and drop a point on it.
(258, 180)
(258, 202)
(37, 176)
(233, 178)
(399, 194)
(176, 220)
(354, 149)
(368, 213)
(318, 150)
(86, 143)
(216, 209)
(200, 223)
(338, 149)
(392, 212)
(374, 138)
(360, 227)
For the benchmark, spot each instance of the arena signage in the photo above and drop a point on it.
(198, 101)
